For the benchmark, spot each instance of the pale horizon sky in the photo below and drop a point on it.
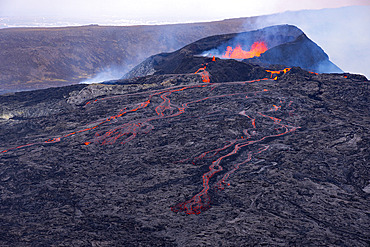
(162, 10)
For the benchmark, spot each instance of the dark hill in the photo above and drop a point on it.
(288, 46)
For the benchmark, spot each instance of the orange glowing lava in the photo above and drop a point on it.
(204, 73)
(256, 50)
(277, 72)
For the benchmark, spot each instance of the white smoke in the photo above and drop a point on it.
(343, 33)
(107, 74)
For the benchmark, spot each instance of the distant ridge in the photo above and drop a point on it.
(34, 58)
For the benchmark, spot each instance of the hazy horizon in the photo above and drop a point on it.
(143, 12)
(325, 27)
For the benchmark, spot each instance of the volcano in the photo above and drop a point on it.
(286, 46)
(191, 150)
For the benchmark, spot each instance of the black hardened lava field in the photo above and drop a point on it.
(259, 156)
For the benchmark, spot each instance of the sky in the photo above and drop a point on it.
(162, 10)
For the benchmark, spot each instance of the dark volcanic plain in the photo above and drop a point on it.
(118, 165)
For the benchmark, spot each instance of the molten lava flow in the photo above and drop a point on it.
(256, 50)
(277, 72)
(201, 201)
(204, 73)
(159, 106)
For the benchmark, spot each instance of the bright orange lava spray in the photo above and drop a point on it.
(256, 50)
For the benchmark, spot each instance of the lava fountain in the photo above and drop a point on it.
(256, 50)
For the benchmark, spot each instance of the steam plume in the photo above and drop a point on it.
(342, 33)
(107, 74)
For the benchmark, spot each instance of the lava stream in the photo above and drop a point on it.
(201, 201)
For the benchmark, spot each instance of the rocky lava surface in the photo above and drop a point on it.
(171, 160)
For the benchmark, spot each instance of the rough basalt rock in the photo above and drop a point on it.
(307, 187)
